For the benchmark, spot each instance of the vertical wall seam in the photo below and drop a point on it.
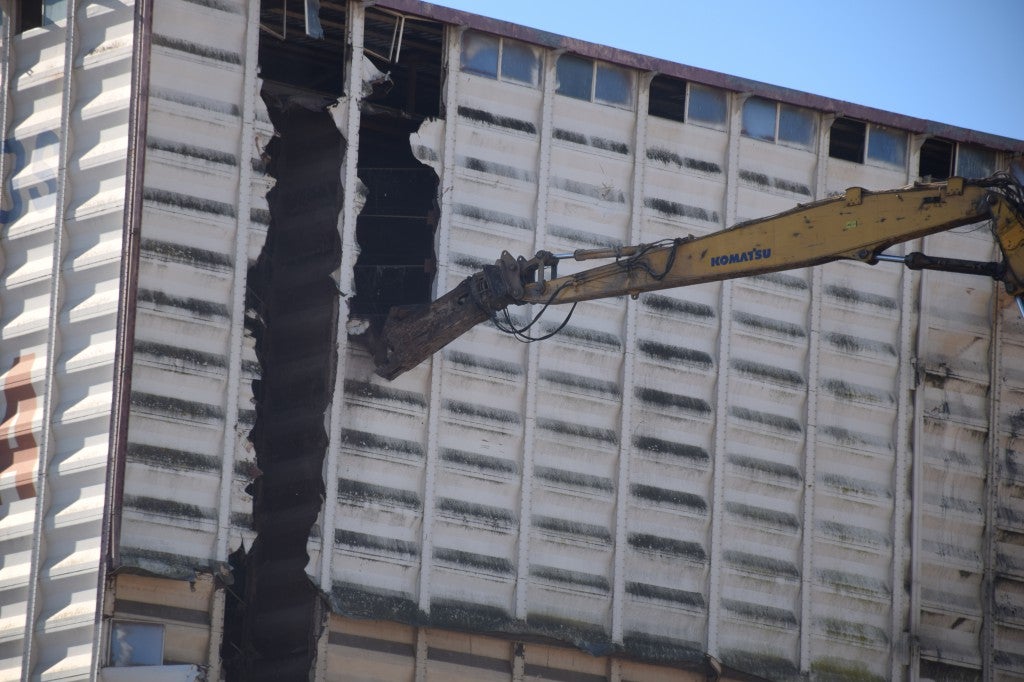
(6, 54)
(899, 636)
(42, 506)
(346, 285)
(240, 276)
(452, 60)
(992, 484)
(129, 276)
(628, 369)
(532, 354)
(811, 437)
(917, 475)
(722, 389)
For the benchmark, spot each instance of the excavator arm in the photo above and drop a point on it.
(859, 225)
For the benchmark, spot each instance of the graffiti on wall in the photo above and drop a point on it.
(16, 200)
(19, 449)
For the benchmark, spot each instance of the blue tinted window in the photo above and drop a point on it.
(614, 85)
(797, 126)
(759, 119)
(480, 54)
(706, 105)
(519, 62)
(575, 76)
(887, 146)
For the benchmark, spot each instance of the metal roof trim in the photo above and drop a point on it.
(704, 76)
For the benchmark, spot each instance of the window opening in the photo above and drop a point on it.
(846, 140)
(591, 81)
(134, 644)
(408, 49)
(706, 105)
(500, 58)
(797, 126)
(936, 162)
(279, 8)
(519, 62)
(759, 119)
(393, 52)
(395, 229)
(887, 145)
(975, 162)
(613, 85)
(288, 55)
(667, 98)
(31, 14)
(480, 53)
(776, 122)
(858, 142)
(575, 76)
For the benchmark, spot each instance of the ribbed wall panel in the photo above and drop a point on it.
(84, 113)
(186, 287)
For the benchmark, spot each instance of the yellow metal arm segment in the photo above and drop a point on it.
(859, 225)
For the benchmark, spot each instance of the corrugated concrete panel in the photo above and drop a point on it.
(186, 290)
(63, 176)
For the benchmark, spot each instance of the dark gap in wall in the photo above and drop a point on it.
(667, 98)
(847, 140)
(936, 159)
(292, 309)
(395, 229)
(274, 613)
(317, 65)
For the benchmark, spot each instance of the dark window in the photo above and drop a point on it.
(936, 159)
(575, 76)
(667, 98)
(846, 140)
(30, 14)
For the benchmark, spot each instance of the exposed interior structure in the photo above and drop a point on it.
(395, 229)
(275, 613)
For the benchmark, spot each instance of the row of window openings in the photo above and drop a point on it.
(675, 99)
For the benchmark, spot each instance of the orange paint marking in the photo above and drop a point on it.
(19, 450)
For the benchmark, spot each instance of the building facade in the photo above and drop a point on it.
(208, 205)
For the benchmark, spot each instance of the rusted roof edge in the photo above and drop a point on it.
(697, 75)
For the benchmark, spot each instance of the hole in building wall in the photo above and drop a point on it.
(936, 159)
(847, 140)
(275, 613)
(395, 229)
(667, 98)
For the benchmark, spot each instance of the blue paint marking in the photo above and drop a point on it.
(43, 186)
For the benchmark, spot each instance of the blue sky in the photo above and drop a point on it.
(960, 63)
